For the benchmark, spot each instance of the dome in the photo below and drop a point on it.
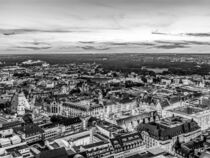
(78, 156)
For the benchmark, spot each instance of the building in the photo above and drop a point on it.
(82, 108)
(20, 151)
(195, 148)
(108, 129)
(54, 107)
(30, 132)
(19, 104)
(65, 125)
(129, 121)
(60, 152)
(128, 144)
(118, 102)
(164, 132)
(99, 149)
(197, 109)
(51, 131)
(164, 104)
(153, 153)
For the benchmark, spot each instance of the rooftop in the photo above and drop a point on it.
(56, 153)
(109, 126)
(169, 127)
(125, 138)
(65, 120)
(29, 129)
(84, 105)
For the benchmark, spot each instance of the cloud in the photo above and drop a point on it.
(159, 33)
(178, 44)
(129, 43)
(197, 43)
(172, 46)
(198, 34)
(36, 43)
(87, 42)
(32, 45)
(94, 48)
(207, 34)
(32, 48)
(171, 42)
(9, 32)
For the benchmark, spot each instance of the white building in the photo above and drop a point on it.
(83, 108)
(198, 110)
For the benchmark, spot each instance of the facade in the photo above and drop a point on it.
(55, 107)
(100, 149)
(51, 131)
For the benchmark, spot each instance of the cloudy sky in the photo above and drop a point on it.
(104, 26)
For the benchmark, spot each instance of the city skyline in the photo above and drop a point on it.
(104, 79)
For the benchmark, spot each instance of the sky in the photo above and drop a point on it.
(104, 26)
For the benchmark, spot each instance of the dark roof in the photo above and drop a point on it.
(174, 99)
(94, 145)
(78, 155)
(8, 125)
(149, 155)
(65, 120)
(189, 147)
(164, 103)
(126, 138)
(30, 129)
(163, 132)
(56, 153)
(144, 155)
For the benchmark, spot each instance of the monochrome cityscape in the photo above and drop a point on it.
(104, 79)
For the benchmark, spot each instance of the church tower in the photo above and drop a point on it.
(19, 103)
